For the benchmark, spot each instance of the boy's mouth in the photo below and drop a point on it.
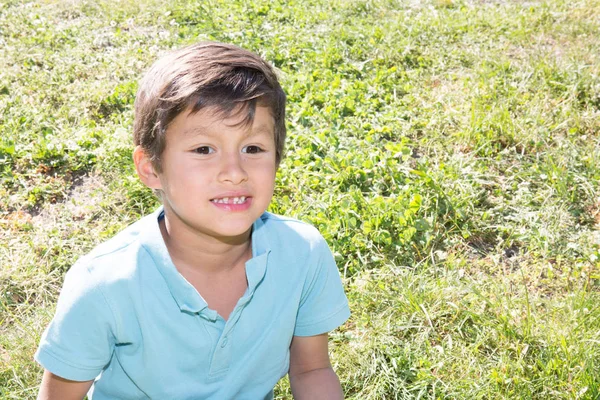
(230, 200)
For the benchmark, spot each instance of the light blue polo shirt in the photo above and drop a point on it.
(128, 319)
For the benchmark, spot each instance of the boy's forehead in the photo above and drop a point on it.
(209, 121)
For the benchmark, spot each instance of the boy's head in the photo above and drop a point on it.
(221, 76)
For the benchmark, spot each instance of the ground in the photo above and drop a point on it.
(447, 150)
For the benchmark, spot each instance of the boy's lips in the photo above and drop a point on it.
(237, 203)
(232, 201)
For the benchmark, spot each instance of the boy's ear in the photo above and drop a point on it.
(145, 169)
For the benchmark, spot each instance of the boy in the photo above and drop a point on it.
(210, 297)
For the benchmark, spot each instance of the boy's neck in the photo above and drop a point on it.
(190, 250)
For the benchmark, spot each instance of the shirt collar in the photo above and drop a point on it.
(185, 295)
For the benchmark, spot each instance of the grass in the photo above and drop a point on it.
(447, 150)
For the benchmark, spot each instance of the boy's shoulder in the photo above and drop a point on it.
(281, 227)
(117, 257)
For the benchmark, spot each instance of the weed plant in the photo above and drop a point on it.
(448, 150)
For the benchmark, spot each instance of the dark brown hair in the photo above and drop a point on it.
(206, 74)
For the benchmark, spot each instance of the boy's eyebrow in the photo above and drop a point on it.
(263, 128)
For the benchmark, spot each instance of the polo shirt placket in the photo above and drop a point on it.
(221, 359)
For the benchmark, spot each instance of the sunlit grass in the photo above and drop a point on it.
(447, 150)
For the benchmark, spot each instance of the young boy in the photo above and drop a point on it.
(209, 297)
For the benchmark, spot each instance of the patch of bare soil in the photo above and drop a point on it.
(79, 204)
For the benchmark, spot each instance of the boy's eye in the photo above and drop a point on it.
(252, 150)
(204, 150)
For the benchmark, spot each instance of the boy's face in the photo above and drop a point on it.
(218, 175)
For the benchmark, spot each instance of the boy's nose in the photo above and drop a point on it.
(232, 169)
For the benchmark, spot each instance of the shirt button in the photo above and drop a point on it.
(224, 342)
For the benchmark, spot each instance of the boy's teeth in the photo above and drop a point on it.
(234, 200)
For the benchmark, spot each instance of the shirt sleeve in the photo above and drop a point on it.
(79, 341)
(323, 304)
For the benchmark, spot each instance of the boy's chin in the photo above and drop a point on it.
(237, 233)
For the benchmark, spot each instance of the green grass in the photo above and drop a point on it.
(447, 150)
